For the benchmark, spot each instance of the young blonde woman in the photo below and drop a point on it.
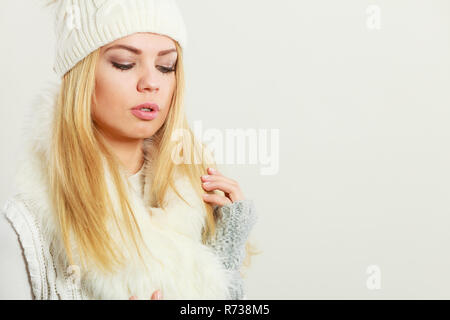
(105, 208)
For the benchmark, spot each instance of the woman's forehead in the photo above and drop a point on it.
(143, 42)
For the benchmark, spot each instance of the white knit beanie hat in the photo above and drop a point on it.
(82, 26)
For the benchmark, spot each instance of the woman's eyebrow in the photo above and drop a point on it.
(138, 51)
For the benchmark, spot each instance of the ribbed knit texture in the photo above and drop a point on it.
(82, 26)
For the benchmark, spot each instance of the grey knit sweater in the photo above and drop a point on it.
(233, 228)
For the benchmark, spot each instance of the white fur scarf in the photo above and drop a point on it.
(178, 264)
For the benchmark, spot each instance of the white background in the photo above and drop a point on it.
(364, 158)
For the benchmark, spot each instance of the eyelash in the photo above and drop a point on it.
(124, 67)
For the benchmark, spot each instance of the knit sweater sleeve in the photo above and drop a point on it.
(233, 227)
(14, 279)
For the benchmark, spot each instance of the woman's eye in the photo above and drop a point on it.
(166, 70)
(123, 67)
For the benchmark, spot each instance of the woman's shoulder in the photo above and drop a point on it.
(22, 229)
(20, 217)
(14, 204)
(22, 247)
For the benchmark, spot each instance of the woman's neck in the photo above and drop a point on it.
(129, 152)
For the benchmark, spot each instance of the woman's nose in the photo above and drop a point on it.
(148, 81)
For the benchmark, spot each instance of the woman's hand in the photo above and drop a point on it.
(155, 296)
(215, 180)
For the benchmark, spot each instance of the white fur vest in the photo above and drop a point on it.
(179, 264)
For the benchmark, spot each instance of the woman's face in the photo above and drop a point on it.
(132, 71)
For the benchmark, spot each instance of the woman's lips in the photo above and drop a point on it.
(146, 115)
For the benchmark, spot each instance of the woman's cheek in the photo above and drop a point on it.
(111, 91)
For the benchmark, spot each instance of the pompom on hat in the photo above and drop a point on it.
(82, 26)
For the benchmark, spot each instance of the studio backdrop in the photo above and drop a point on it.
(334, 116)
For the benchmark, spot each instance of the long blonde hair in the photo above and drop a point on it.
(78, 187)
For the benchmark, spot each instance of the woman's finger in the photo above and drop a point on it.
(233, 192)
(133, 298)
(214, 171)
(216, 199)
(206, 178)
(156, 295)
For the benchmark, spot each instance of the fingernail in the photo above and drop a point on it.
(206, 177)
(159, 295)
(212, 170)
(206, 183)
